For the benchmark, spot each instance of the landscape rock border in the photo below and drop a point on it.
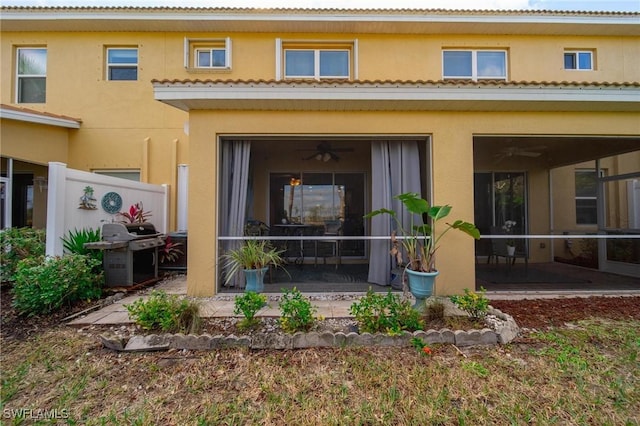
(504, 331)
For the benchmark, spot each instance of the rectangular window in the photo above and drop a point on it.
(316, 63)
(31, 73)
(578, 60)
(207, 54)
(122, 64)
(586, 197)
(122, 174)
(474, 64)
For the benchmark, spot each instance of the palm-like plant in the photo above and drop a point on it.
(420, 240)
(253, 254)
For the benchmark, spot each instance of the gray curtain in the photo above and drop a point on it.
(233, 192)
(395, 169)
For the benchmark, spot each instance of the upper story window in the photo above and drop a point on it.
(578, 60)
(122, 63)
(207, 54)
(31, 70)
(316, 63)
(474, 64)
(316, 60)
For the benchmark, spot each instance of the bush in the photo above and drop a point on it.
(296, 312)
(74, 242)
(248, 305)
(378, 313)
(475, 304)
(17, 244)
(167, 313)
(43, 285)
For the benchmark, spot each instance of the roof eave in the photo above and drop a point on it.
(275, 96)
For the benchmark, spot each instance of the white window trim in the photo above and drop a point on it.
(122, 65)
(326, 45)
(474, 64)
(577, 53)
(20, 76)
(190, 62)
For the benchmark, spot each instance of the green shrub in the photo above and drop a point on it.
(378, 313)
(74, 242)
(475, 304)
(296, 311)
(248, 305)
(45, 284)
(17, 244)
(168, 313)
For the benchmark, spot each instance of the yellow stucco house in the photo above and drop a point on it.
(295, 116)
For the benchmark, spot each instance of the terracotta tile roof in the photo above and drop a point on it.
(39, 113)
(319, 11)
(401, 83)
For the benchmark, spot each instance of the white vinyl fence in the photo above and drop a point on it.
(67, 212)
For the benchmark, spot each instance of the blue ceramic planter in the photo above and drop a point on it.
(255, 279)
(421, 285)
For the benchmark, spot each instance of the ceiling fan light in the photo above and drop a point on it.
(326, 157)
(318, 157)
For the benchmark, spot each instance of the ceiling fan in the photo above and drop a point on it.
(324, 152)
(514, 151)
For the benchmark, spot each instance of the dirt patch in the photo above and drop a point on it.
(542, 313)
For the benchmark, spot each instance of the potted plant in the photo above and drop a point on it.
(254, 257)
(508, 230)
(420, 241)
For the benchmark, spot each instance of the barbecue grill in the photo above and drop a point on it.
(130, 253)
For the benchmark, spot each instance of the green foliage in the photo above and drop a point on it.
(253, 254)
(74, 242)
(475, 304)
(17, 244)
(168, 313)
(45, 284)
(248, 305)
(378, 313)
(296, 311)
(421, 241)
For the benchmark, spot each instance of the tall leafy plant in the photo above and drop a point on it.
(421, 240)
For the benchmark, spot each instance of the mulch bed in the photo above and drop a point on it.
(528, 313)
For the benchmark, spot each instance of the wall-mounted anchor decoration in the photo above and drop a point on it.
(87, 201)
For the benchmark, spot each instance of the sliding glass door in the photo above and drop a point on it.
(309, 198)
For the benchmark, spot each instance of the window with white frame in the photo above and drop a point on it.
(474, 64)
(31, 75)
(316, 63)
(578, 60)
(207, 54)
(316, 60)
(122, 63)
(132, 174)
(586, 197)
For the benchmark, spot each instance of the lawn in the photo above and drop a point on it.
(585, 373)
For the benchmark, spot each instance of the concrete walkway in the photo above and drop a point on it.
(327, 306)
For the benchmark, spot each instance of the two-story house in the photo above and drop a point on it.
(308, 116)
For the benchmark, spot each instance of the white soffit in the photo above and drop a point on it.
(193, 95)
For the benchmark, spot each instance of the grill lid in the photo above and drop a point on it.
(128, 231)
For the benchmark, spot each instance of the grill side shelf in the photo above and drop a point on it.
(106, 245)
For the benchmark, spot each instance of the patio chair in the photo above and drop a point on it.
(499, 249)
(331, 228)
